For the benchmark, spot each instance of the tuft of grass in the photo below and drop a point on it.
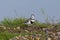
(14, 22)
(6, 35)
(42, 25)
(20, 22)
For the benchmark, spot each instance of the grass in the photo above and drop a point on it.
(6, 35)
(13, 22)
(19, 22)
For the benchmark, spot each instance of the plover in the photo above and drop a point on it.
(31, 20)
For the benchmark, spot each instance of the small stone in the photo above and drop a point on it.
(10, 39)
(17, 37)
(58, 33)
(49, 38)
(26, 30)
(23, 37)
(18, 28)
(4, 27)
(14, 28)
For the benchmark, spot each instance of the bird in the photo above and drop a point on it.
(31, 20)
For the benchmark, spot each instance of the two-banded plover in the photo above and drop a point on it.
(31, 20)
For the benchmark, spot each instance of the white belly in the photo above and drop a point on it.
(28, 22)
(33, 20)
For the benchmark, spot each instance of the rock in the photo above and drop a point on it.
(26, 31)
(17, 37)
(18, 27)
(4, 28)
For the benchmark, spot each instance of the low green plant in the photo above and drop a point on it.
(42, 25)
(6, 35)
(14, 22)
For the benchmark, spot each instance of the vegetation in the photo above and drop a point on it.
(13, 22)
(8, 28)
(6, 35)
